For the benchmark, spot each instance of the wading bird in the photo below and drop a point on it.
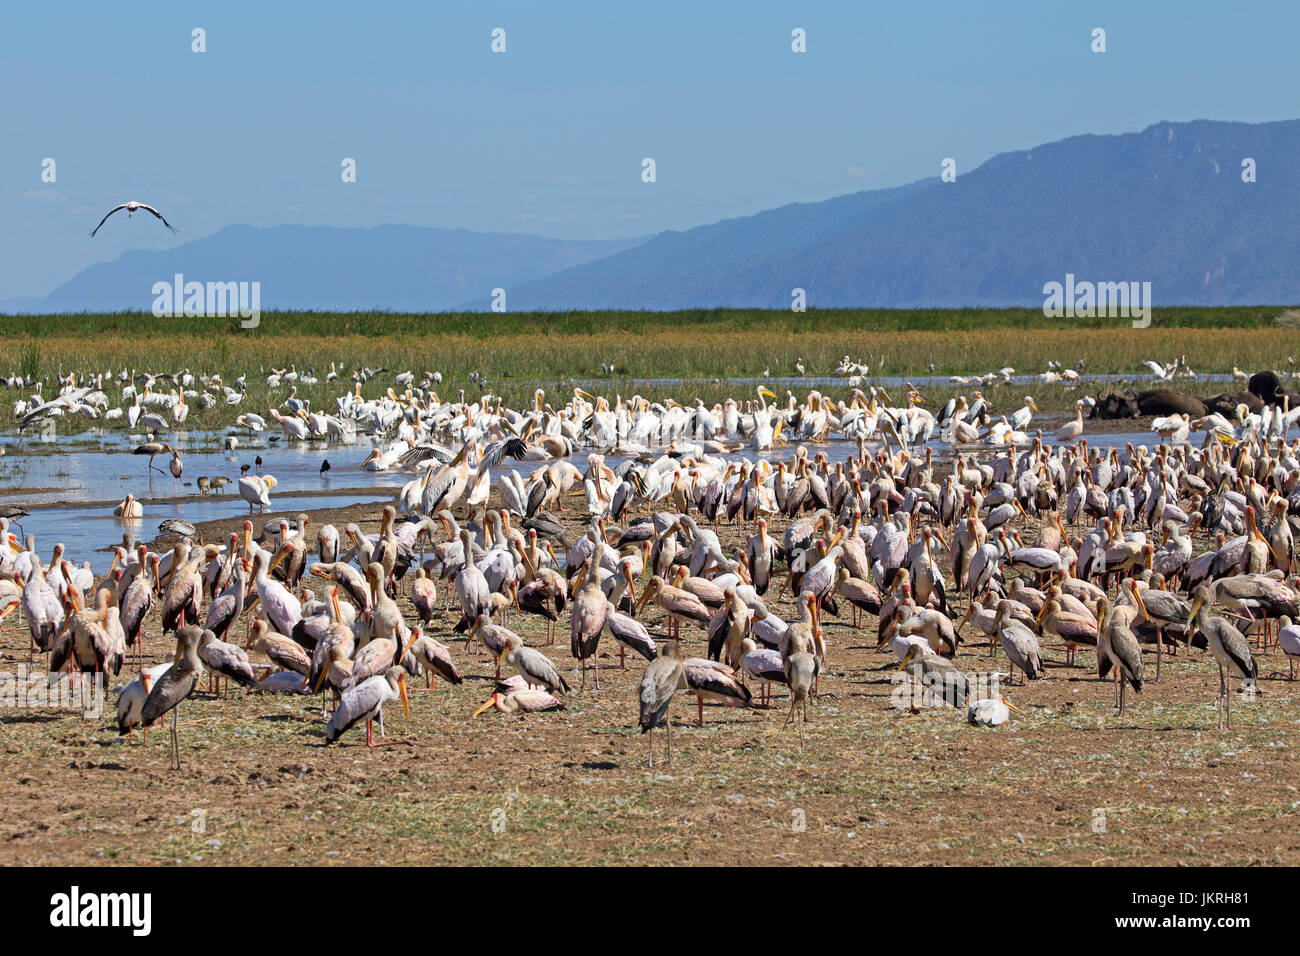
(175, 685)
(664, 676)
(365, 701)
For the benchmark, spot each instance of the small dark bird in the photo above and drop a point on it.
(324, 466)
(243, 469)
(258, 461)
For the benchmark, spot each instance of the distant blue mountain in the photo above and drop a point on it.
(402, 268)
(1166, 206)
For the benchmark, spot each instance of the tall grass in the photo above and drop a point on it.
(491, 324)
(518, 351)
(29, 360)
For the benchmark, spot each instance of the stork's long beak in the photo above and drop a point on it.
(1014, 709)
(486, 705)
(401, 689)
(279, 556)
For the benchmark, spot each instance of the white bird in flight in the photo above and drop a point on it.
(130, 208)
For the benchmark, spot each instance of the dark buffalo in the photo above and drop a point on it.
(1160, 402)
(1267, 387)
(1226, 404)
(1117, 405)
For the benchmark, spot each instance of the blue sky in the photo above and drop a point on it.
(548, 138)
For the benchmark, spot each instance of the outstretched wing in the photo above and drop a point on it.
(105, 219)
(507, 447)
(160, 216)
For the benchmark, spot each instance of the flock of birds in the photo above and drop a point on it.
(1032, 542)
(1029, 541)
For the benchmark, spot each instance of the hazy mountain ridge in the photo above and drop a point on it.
(1166, 206)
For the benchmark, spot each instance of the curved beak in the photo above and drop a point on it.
(486, 705)
(1014, 709)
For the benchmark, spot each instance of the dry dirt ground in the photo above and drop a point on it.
(1071, 784)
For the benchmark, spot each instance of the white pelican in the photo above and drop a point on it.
(129, 508)
(257, 491)
(992, 712)
(1072, 430)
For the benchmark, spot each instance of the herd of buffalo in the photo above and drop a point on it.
(1264, 388)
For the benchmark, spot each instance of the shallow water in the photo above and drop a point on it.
(71, 485)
